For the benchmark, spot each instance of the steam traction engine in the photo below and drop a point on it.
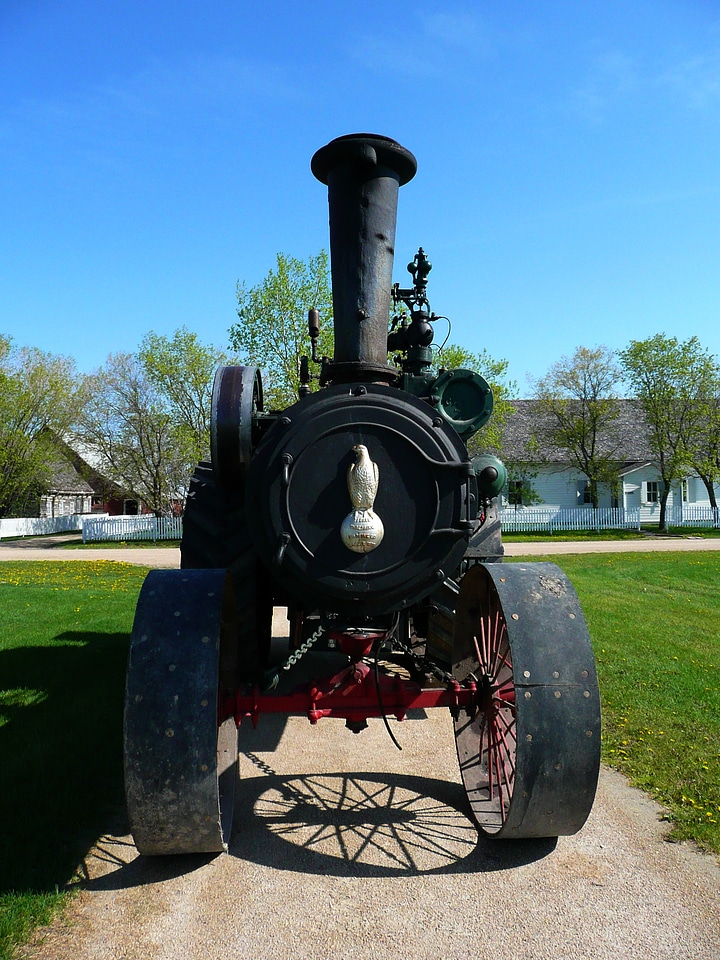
(359, 509)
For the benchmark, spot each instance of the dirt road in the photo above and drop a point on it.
(55, 548)
(346, 848)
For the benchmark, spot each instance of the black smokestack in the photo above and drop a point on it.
(363, 173)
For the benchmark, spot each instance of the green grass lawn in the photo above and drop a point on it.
(63, 644)
(573, 536)
(655, 624)
(120, 544)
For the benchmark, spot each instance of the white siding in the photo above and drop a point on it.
(561, 488)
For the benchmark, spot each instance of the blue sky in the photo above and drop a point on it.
(152, 154)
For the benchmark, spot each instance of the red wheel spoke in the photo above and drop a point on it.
(513, 785)
(498, 636)
(488, 766)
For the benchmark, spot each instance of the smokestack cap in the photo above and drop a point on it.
(364, 149)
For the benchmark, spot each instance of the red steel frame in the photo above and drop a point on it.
(351, 695)
(354, 694)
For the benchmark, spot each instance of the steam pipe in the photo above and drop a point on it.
(363, 173)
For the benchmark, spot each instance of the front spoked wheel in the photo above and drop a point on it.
(529, 750)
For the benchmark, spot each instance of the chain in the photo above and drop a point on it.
(302, 649)
(272, 677)
(423, 664)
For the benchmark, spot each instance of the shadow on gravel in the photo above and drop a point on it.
(362, 825)
(116, 852)
(366, 825)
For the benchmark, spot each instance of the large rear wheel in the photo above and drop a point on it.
(180, 759)
(529, 751)
(216, 536)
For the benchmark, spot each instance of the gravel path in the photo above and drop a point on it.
(51, 548)
(346, 848)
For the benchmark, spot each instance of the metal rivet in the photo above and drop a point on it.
(585, 673)
(588, 733)
(572, 616)
(555, 674)
(177, 613)
(203, 703)
(558, 766)
(527, 694)
(515, 617)
(528, 737)
(557, 694)
(169, 733)
(206, 639)
(171, 667)
(586, 694)
(211, 594)
(138, 697)
(143, 638)
(526, 674)
(203, 767)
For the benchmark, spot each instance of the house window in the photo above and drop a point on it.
(587, 492)
(653, 491)
(515, 493)
(685, 495)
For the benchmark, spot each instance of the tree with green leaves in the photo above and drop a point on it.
(578, 411)
(272, 332)
(182, 370)
(133, 436)
(703, 438)
(147, 420)
(454, 357)
(670, 378)
(40, 396)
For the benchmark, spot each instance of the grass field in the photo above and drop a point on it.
(63, 644)
(574, 536)
(655, 624)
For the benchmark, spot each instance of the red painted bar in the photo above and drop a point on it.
(351, 695)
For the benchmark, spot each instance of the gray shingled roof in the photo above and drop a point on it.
(65, 479)
(524, 438)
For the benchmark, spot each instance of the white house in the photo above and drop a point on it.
(540, 473)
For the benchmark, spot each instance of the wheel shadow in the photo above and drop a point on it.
(357, 824)
(370, 825)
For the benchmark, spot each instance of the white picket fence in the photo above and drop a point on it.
(132, 528)
(528, 519)
(693, 515)
(40, 526)
(512, 520)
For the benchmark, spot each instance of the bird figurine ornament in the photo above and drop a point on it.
(362, 530)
